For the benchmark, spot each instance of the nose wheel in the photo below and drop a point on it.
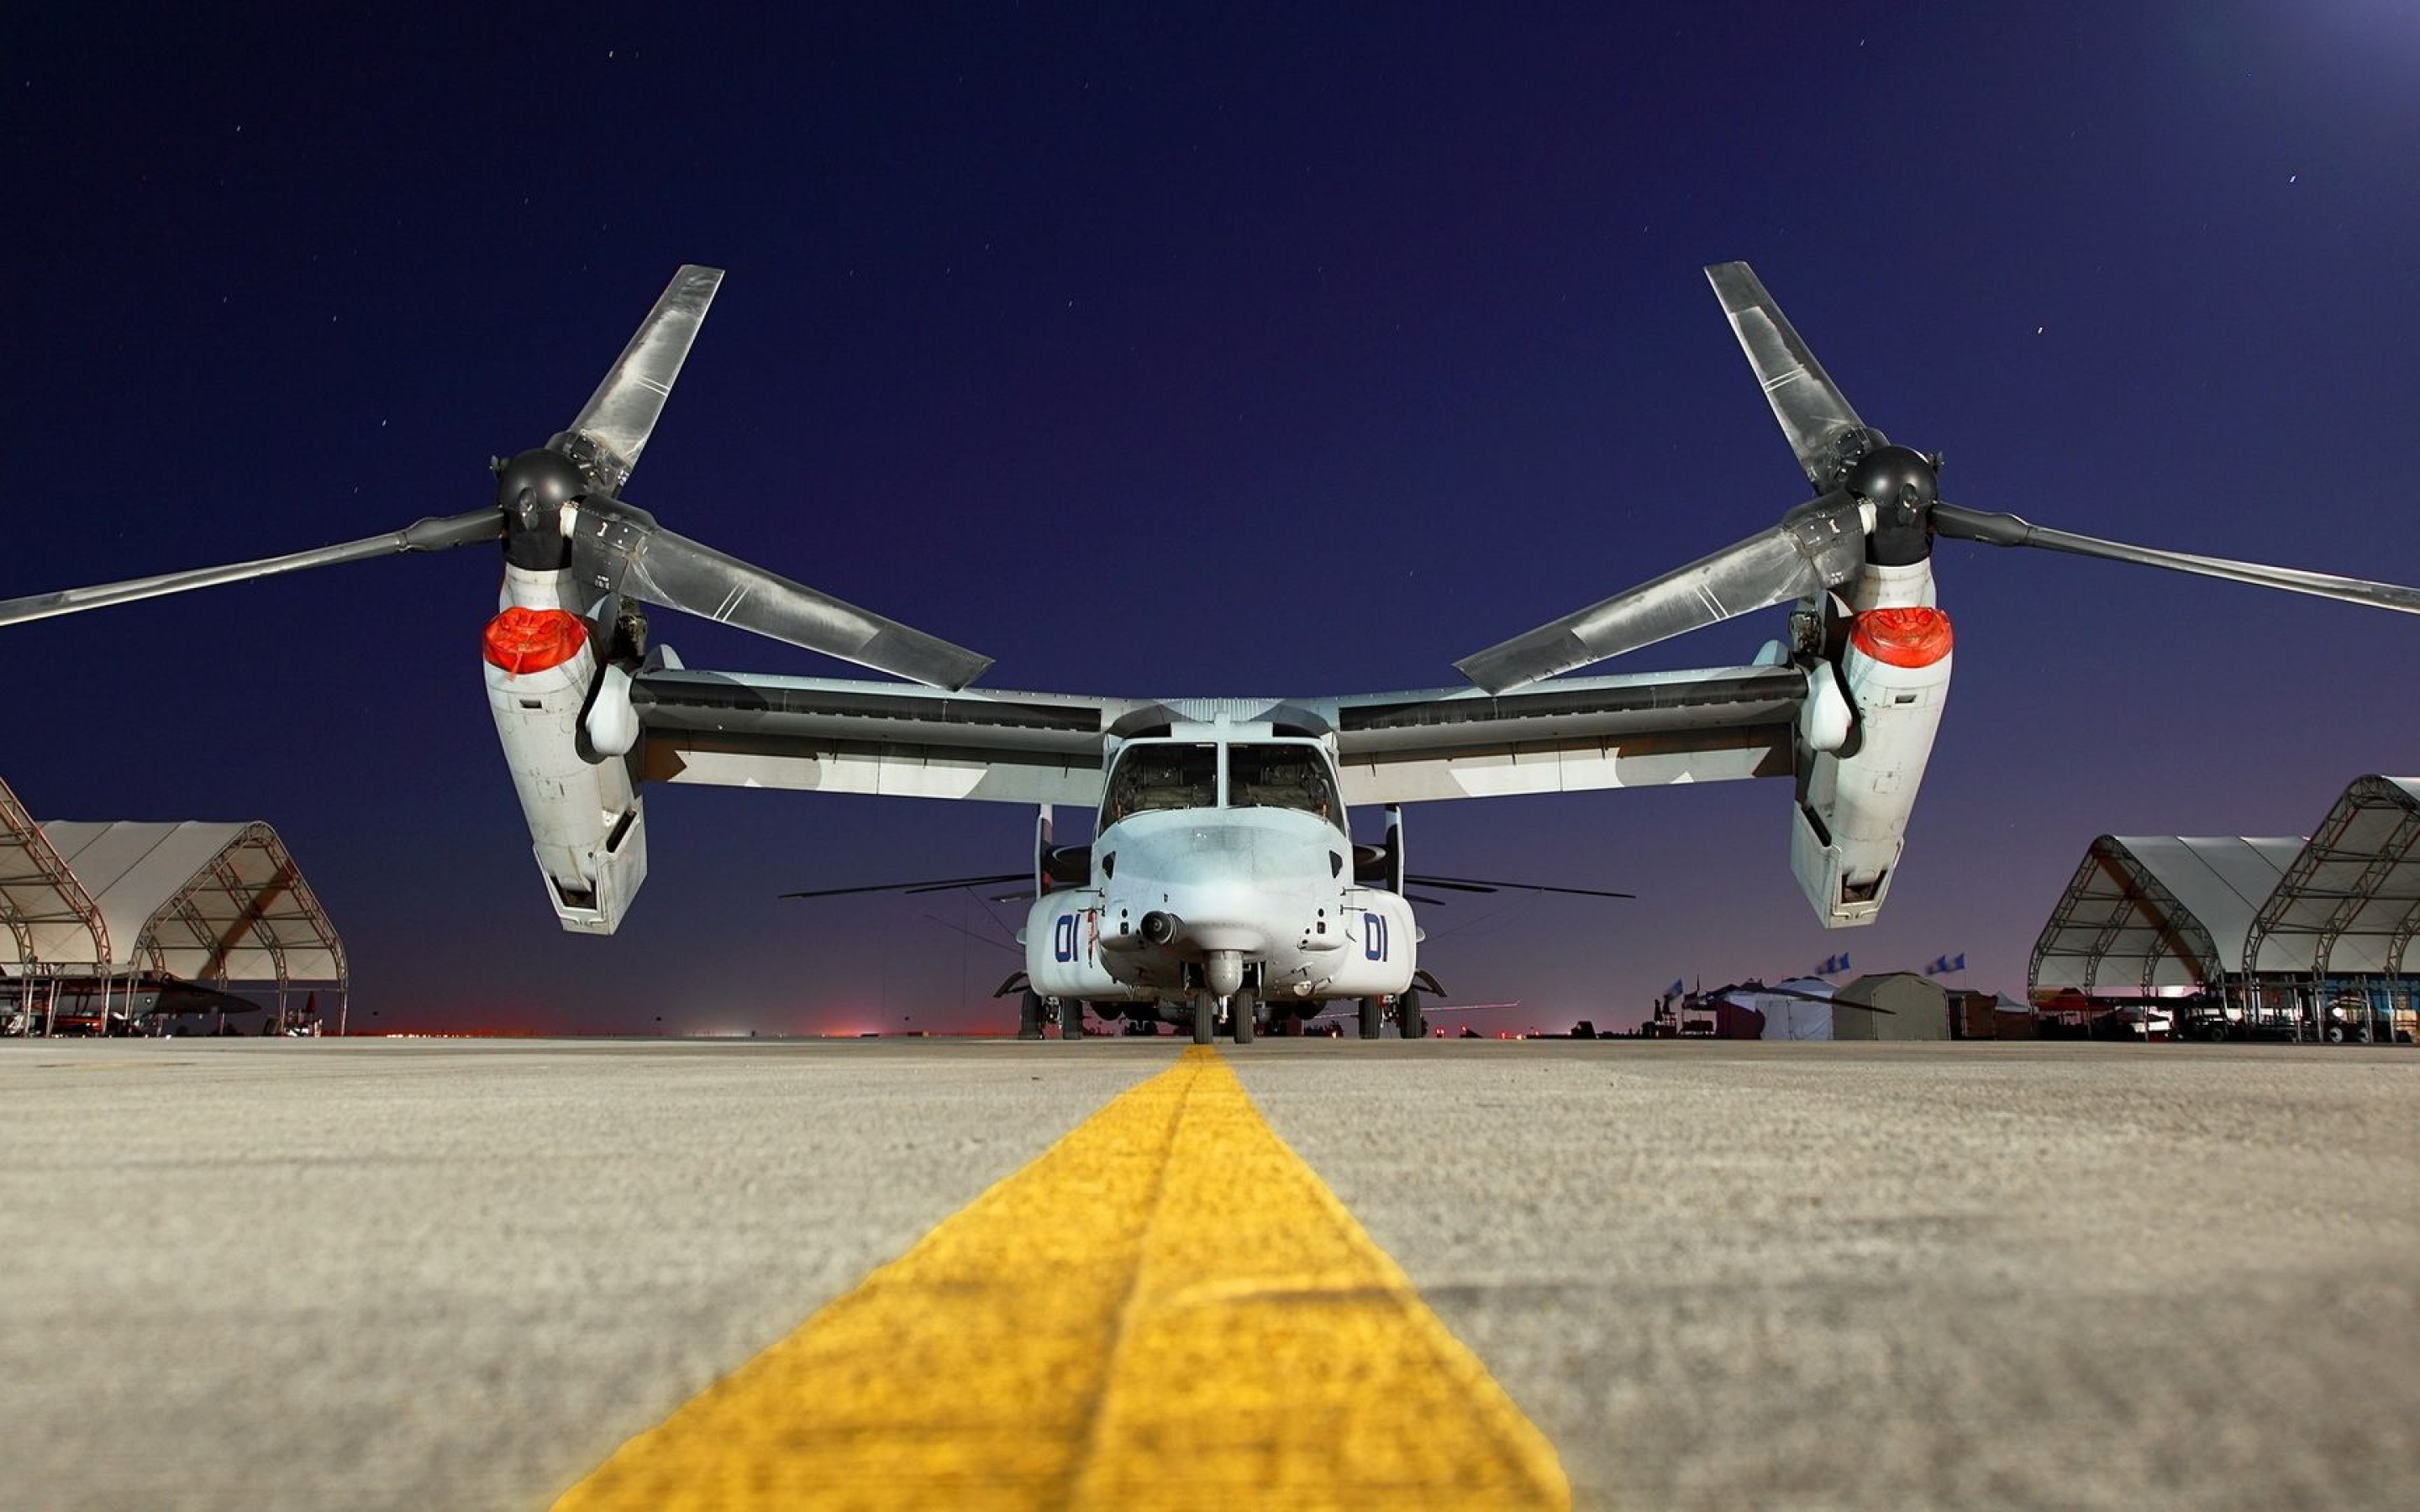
(1205, 1017)
(1374, 1017)
(1244, 1006)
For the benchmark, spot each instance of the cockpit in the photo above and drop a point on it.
(1187, 773)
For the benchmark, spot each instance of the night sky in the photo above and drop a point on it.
(1186, 350)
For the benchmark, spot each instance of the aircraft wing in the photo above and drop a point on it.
(900, 739)
(1569, 735)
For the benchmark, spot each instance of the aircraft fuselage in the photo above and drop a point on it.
(1220, 864)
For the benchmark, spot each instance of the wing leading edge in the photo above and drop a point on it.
(1576, 734)
(837, 735)
(1573, 735)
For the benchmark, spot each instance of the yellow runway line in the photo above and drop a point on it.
(1167, 1309)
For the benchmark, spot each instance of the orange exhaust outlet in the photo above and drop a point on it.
(1902, 637)
(532, 639)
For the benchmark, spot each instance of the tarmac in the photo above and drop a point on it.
(419, 1273)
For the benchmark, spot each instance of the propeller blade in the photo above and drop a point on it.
(956, 884)
(979, 939)
(622, 550)
(936, 885)
(2010, 530)
(611, 429)
(1723, 994)
(1816, 547)
(1823, 429)
(432, 534)
(1479, 885)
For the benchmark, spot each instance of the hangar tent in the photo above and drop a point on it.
(2289, 924)
(112, 902)
(2145, 912)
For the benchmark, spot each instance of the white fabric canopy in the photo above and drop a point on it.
(2145, 912)
(2150, 911)
(205, 901)
(49, 915)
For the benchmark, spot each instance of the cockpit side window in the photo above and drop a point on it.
(1281, 776)
(1163, 777)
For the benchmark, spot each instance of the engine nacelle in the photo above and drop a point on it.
(586, 821)
(1850, 822)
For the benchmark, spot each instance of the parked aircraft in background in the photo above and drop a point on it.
(153, 1003)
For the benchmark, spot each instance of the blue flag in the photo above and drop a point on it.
(1675, 989)
(1959, 964)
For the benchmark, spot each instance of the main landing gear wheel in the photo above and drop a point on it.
(1029, 1016)
(1205, 1017)
(1244, 1005)
(1408, 1017)
(1374, 1017)
(1070, 1018)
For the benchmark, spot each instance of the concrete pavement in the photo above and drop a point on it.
(419, 1273)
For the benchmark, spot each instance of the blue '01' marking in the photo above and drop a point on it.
(1062, 938)
(1374, 936)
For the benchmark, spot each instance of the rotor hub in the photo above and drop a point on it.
(1895, 477)
(1901, 485)
(532, 489)
(541, 476)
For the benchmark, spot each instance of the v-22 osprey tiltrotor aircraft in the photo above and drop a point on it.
(1222, 882)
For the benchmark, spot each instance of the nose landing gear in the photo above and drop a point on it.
(1410, 1021)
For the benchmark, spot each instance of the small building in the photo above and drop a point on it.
(1990, 1016)
(1894, 1005)
(1798, 1009)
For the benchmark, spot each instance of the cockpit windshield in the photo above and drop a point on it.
(1169, 774)
(1162, 775)
(1281, 776)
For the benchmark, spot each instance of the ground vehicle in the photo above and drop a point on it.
(2134, 1021)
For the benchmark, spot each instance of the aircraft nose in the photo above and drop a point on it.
(1216, 913)
(1229, 889)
